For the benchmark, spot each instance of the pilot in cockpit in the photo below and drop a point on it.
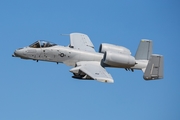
(42, 44)
(36, 45)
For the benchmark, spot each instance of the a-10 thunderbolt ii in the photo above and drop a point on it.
(90, 65)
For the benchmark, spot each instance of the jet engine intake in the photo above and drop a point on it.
(118, 60)
(113, 48)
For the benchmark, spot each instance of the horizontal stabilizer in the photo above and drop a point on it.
(155, 68)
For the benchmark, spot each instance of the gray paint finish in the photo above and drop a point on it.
(88, 64)
(144, 50)
(154, 68)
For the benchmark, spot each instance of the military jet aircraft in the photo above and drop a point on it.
(90, 65)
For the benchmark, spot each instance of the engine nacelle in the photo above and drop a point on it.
(118, 60)
(113, 48)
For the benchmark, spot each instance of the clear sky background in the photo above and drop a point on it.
(32, 90)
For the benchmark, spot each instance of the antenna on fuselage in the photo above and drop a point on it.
(65, 34)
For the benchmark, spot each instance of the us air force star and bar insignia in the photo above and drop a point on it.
(62, 55)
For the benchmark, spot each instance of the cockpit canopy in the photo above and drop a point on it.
(42, 44)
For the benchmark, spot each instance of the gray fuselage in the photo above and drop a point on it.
(58, 54)
(69, 56)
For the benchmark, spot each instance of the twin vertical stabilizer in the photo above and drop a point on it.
(154, 69)
(144, 50)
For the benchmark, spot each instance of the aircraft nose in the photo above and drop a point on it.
(18, 53)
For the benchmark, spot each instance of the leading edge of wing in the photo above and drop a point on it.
(81, 41)
(94, 70)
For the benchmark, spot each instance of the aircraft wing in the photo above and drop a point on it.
(91, 70)
(81, 41)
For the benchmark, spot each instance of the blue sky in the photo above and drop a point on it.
(46, 91)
